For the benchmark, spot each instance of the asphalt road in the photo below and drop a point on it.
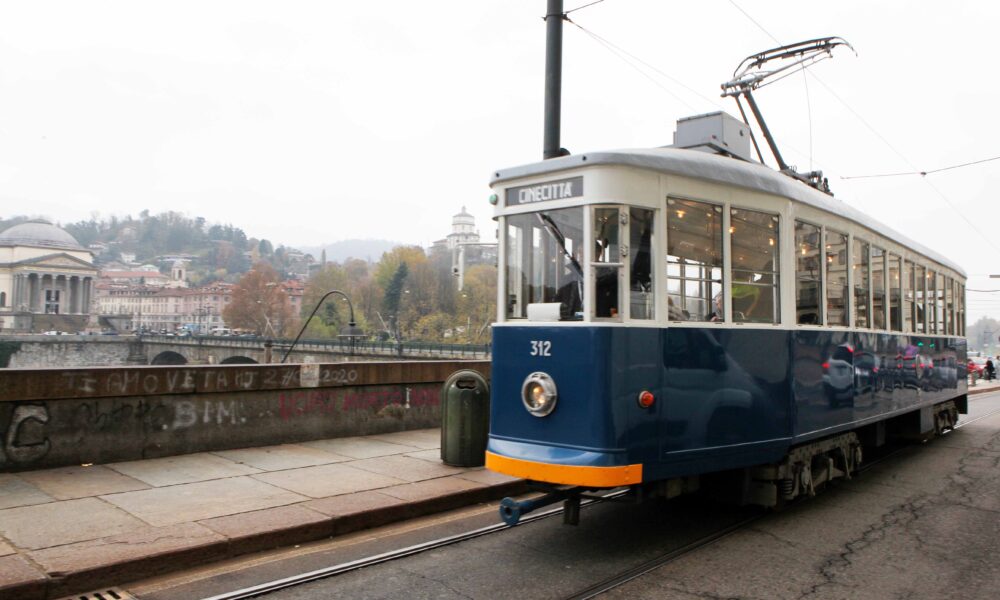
(923, 524)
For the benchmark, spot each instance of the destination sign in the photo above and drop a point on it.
(543, 192)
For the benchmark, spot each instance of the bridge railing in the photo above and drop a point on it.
(384, 348)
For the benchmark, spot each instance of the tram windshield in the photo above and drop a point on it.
(545, 265)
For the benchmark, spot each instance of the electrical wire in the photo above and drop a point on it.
(925, 173)
(622, 54)
(883, 139)
(582, 7)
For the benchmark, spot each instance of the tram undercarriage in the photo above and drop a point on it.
(805, 469)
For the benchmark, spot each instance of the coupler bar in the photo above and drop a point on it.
(511, 510)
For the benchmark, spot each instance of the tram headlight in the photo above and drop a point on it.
(539, 394)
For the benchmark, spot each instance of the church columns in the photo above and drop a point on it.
(73, 283)
(85, 292)
(15, 300)
(36, 292)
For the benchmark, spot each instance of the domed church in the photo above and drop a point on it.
(46, 279)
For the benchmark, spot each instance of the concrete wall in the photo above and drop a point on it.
(57, 417)
(39, 351)
(70, 351)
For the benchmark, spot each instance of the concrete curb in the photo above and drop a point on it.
(984, 390)
(60, 584)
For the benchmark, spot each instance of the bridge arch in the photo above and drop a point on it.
(168, 357)
(238, 360)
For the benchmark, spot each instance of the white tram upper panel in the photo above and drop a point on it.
(631, 177)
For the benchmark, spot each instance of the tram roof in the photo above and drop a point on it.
(721, 169)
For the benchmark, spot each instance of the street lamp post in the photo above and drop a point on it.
(350, 332)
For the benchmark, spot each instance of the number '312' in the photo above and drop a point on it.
(541, 348)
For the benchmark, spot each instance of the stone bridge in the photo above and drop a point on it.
(38, 351)
(73, 416)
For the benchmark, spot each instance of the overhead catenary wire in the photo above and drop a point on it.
(626, 56)
(924, 173)
(622, 54)
(582, 7)
(857, 115)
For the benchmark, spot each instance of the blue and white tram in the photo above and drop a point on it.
(670, 313)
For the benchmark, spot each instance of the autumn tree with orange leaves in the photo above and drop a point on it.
(260, 305)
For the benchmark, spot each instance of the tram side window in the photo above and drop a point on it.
(960, 302)
(544, 254)
(694, 260)
(607, 263)
(920, 299)
(878, 288)
(931, 297)
(640, 243)
(940, 318)
(861, 284)
(895, 299)
(808, 281)
(909, 306)
(836, 278)
(949, 302)
(753, 240)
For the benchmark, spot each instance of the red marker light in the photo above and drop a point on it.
(825, 365)
(646, 399)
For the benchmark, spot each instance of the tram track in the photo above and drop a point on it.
(369, 561)
(591, 591)
(640, 570)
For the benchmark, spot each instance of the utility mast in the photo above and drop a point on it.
(554, 17)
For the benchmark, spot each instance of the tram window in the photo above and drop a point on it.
(919, 299)
(949, 302)
(754, 245)
(694, 260)
(808, 282)
(544, 262)
(878, 288)
(860, 265)
(836, 278)
(931, 307)
(895, 299)
(909, 305)
(960, 303)
(640, 243)
(939, 316)
(606, 258)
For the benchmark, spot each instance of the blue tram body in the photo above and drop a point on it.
(730, 398)
(670, 313)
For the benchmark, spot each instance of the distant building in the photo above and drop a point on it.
(141, 276)
(46, 279)
(464, 245)
(163, 308)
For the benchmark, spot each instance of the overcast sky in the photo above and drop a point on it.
(311, 122)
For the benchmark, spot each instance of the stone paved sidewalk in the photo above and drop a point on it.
(73, 529)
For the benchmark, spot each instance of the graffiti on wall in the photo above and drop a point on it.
(326, 402)
(18, 450)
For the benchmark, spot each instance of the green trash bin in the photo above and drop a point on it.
(465, 419)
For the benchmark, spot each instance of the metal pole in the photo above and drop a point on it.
(553, 77)
(351, 324)
(767, 132)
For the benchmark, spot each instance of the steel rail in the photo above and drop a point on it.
(653, 564)
(332, 571)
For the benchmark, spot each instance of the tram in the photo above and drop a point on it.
(686, 317)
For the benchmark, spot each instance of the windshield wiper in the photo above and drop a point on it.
(553, 230)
